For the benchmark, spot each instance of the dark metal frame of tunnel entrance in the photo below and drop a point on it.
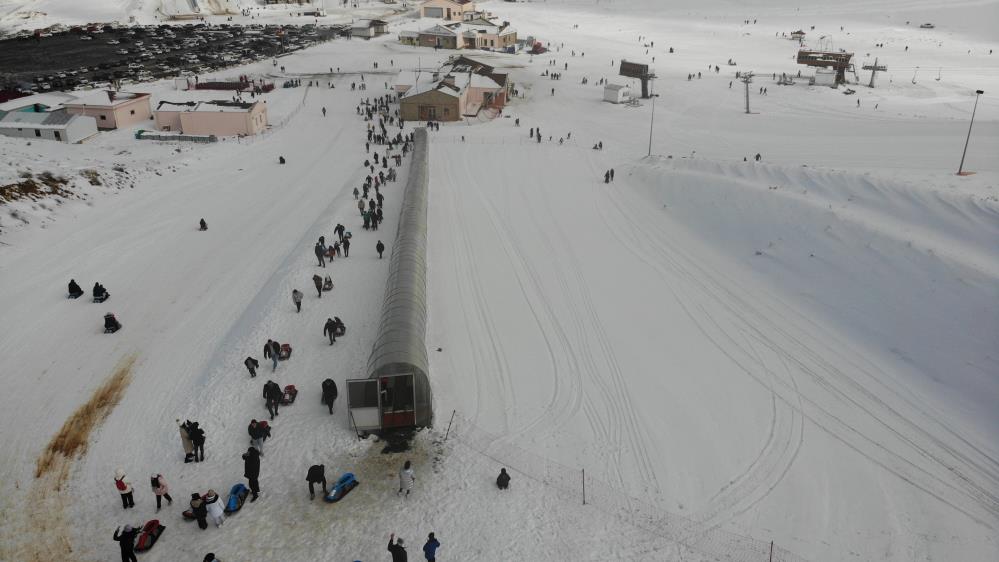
(400, 348)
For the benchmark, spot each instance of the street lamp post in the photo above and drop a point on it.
(960, 168)
(652, 120)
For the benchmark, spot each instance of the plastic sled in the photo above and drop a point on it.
(111, 324)
(237, 495)
(74, 295)
(151, 532)
(102, 298)
(341, 330)
(343, 486)
(285, 352)
(328, 284)
(290, 393)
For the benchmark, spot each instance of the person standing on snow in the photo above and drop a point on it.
(251, 470)
(124, 488)
(320, 254)
(198, 440)
(214, 506)
(272, 396)
(126, 540)
(199, 510)
(161, 490)
(430, 548)
(329, 393)
(346, 247)
(318, 281)
(360, 206)
(316, 475)
(185, 440)
(503, 480)
(398, 550)
(296, 297)
(406, 479)
(339, 229)
(251, 365)
(272, 351)
(612, 174)
(380, 248)
(330, 330)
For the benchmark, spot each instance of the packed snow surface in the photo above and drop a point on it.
(800, 349)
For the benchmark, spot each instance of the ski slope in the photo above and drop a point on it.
(798, 350)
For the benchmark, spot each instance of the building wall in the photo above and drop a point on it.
(455, 10)
(81, 128)
(224, 123)
(427, 40)
(167, 120)
(72, 132)
(124, 115)
(447, 108)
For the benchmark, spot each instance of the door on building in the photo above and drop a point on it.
(388, 402)
(428, 113)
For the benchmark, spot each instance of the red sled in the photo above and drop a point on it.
(151, 532)
(285, 352)
(290, 393)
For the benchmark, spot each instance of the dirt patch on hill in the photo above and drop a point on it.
(47, 536)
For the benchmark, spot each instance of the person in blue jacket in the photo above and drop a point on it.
(430, 548)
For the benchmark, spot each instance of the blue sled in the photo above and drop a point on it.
(343, 486)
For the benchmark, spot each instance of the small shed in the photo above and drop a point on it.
(617, 93)
(368, 28)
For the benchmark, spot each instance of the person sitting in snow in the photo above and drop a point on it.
(74, 290)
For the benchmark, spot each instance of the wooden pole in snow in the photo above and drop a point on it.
(446, 433)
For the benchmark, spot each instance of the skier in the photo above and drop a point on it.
(251, 365)
(199, 511)
(319, 254)
(329, 329)
(503, 480)
(380, 248)
(329, 393)
(406, 479)
(316, 475)
(318, 281)
(204, 225)
(126, 540)
(214, 506)
(430, 548)
(161, 490)
(124, 489)
(185, 440)
(296, 297)
(346, 247)
(324, 112)
(251, 470)
(198, 440)
(272, 350)
(398, 550)
(272, 396)
(74, 290)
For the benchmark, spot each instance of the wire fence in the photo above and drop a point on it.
(574, 485)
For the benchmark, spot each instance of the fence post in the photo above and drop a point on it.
(584, 486)
(771, 551)
(446, 433)
(354, 424)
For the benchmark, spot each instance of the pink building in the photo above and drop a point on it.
(450, 10)
(112, 110)
(219, 118)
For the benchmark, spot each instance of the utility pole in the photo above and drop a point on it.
(874, 68)
(652, 120)
(960, 168)
(747, 79)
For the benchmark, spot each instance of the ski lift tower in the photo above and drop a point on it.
(640, 71)
(875, 69)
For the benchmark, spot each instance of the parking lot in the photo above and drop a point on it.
(97, 55)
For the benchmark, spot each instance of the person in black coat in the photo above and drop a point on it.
(251, 365)
(200, 511)
(346, 247)
(398, 550)
(330, 330)
(503, 480)
(329, 393)
(380, 248)
(273, 396)
(74, 290)
(198, 440)
(316, 475)
(251, 470)
(126, 540)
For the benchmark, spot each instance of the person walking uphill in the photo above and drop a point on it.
(161, 490)
(126, 540)
(296, 297)
(251, 470)
(185, 440)
(124, 489)
(430, 548)
(272, 351)
(316, 475)
(346, 247)
(320, 254)
(329, 393)
(398, 550)
(406, 478)
(272, 396)
(380, 248)
(329, 329)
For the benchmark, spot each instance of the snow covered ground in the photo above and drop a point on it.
(799, 350)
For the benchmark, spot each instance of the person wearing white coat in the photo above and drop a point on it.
(215, 509)
(124, 489)
(406, 479)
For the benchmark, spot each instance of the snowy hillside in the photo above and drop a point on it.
(799, 349)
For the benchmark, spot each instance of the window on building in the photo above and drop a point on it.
(56, 133)
(38, 133)
(104, 117)
(132, 112)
